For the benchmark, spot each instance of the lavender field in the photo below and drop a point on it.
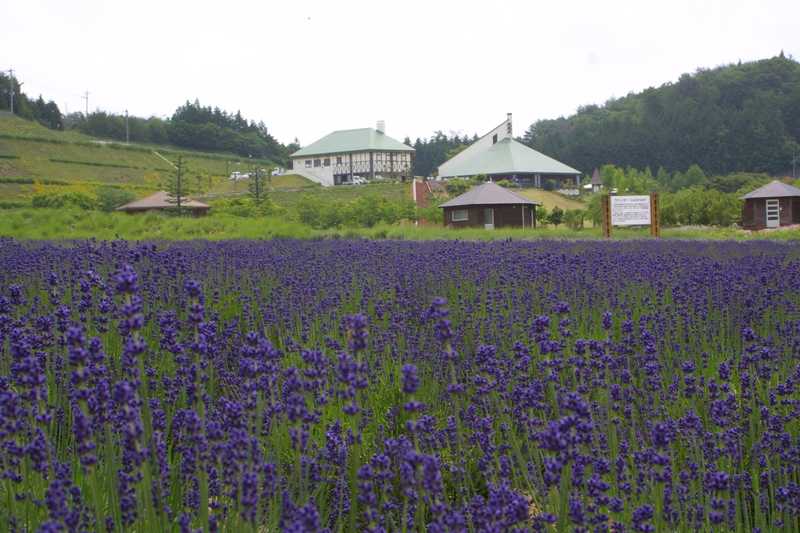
(399, 386)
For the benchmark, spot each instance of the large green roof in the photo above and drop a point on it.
(358, 140)
(506, 156)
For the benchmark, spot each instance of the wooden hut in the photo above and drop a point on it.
(773, 205)
(161, 201)
(490, 206)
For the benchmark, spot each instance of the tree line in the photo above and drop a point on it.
(46, 113)
(191, 126)
(743, 117)
(432, 152)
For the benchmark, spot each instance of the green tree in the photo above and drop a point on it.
(556, 216)
(176, 186)
(257, 186)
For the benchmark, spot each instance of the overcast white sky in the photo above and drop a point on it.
(307, 67)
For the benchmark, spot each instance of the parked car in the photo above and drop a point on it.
(236, 176)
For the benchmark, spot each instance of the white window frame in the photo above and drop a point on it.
(308, 163)
(459, 215)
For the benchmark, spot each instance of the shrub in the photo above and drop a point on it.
(574, 218)
(541, 215)
(457, 186)
(556, 216)
(508, 184)
(365, 211)
(66, 199)
(247, 207)
(110, 198)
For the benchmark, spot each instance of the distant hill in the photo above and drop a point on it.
(743, 117)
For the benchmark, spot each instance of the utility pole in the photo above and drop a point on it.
(86, 97)
(11, 89)
(127, 132)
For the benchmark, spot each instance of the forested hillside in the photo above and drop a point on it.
(191, 126)
(743, 117)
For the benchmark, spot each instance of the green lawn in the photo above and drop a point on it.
(75, 224)
(288, 182)
(344, 193)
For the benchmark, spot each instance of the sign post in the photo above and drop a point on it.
(655, 225)
(638, 210)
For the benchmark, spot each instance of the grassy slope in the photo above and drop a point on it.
(69, 224)
(288, 182)
(345, 193)
(29, 142)
(550, 199)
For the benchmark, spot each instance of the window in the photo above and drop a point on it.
(317, 162)
(494, 139)
(326, 162)
(308, 163)
(459, 215)
(338, 160)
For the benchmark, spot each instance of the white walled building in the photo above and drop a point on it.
(339, 156)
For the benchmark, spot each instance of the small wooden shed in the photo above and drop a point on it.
(490, 206)
(773, 205)
(161, 201)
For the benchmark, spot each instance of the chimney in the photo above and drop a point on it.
(381, 126)
(509, 128)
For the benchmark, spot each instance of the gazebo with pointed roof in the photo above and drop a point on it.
(773, 205)
(490, 206)
(161, 201)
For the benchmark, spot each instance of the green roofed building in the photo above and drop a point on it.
(497, 155)
(344, 156)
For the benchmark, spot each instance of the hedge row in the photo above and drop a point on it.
(110, 165)
(31, 181)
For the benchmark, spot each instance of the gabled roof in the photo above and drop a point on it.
(160, 200)
(488, 194)
(357, 140)
(507, 156)
(773, 189)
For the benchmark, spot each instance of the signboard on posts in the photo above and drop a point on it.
(640, 210)
(630, 210)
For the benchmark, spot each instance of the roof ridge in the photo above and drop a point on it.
(352, 129)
